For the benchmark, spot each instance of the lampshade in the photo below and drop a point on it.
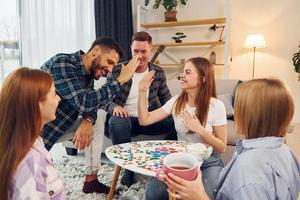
(255, 40)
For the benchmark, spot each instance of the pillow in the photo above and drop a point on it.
(227, 100)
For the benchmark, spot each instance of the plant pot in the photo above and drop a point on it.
(170, 16)
(297, 70)
(178, 41)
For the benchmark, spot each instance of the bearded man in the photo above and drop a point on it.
(76, 115)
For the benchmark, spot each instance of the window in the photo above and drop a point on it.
(9, 38)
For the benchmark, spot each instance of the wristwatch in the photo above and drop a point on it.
(89, 119)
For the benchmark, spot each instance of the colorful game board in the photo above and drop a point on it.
(144, 157)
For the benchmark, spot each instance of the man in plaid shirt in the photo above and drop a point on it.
(122, 121)
(76, 115)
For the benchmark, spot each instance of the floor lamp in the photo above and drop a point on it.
(255, 41)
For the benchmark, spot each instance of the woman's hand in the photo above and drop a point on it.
(187, 190)
(146, 81)
(192, 122)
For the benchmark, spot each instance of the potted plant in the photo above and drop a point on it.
(178, 36)
(169, 5)
(296, 63)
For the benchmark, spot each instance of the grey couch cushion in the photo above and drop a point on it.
(227, 100)
(225, 86)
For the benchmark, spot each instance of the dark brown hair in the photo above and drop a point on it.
(142, 36)
(20, 119)
(107, 43)
(206, 90)
(263, 107)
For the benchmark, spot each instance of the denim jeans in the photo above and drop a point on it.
(210, 170)
(121, 129)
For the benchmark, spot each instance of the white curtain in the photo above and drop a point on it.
(48, 27)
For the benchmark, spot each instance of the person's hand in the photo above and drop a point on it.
(83, 135)
(128, 70)
(146, 81)
(120, 112)
(187, 190)
(192, 122)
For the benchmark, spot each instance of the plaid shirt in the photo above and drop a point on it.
(159, 92)
(77, 93)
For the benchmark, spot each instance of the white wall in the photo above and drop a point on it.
(278, 20)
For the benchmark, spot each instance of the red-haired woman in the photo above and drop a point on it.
(27, 101)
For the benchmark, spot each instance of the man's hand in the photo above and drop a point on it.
(120, 112)
(128, 70)
(83, 135)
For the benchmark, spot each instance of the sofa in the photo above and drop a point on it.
(225, 92)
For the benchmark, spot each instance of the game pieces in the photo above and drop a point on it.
(146, 155)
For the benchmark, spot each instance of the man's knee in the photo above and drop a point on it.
(119, 129)
(119, 122)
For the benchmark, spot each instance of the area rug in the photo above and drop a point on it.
(71, 169)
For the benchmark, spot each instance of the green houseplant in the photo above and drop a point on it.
(296, 63)
(178, 36)
(169, 5)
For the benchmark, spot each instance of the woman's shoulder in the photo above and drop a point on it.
(173, 99)
(33, 161)
(216, 103)
(214, 100)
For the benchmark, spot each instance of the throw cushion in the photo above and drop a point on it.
(227, 100)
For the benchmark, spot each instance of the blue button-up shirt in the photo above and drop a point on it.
(261, 168)
(78, 96)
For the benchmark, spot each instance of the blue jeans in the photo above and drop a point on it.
(210, 169)
(121, 129)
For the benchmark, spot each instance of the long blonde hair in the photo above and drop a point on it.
(20, 119)
(206, 90)
(263, 107)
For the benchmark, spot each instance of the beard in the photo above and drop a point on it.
(96, 67)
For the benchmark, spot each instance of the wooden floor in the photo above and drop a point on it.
(293, 140)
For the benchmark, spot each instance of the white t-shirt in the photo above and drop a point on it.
(132, 101)
(216, 117)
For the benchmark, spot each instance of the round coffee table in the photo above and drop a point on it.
(143, 157)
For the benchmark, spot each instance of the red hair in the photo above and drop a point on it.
(20, 119)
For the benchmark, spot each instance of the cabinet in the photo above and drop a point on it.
(194, 41)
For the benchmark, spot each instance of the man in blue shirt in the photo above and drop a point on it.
(76, 115)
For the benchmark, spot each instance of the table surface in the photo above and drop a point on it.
(143, 157)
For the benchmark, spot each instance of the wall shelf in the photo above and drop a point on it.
(221, 20)
(171, 66)
(174, 44)
(180, 66)
(162, 27)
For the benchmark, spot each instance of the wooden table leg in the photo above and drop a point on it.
(114, 182)
(173, 191)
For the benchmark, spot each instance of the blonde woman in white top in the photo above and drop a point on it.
(198, 117)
